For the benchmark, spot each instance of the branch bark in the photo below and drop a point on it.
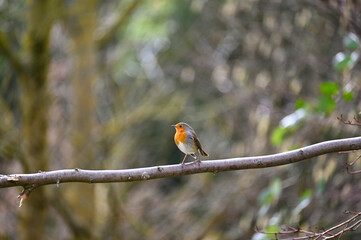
(138, 174)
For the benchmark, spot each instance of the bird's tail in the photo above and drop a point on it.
(202, 152)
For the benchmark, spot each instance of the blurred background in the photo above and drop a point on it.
(97, 84)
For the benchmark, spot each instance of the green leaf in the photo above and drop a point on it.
(277, 136)
(347, 96)
(342, 61)
(273, 228)
(329, 88)
(300, 103)
(351, 41)
(306, 194)
(325, 105)
(304, 104)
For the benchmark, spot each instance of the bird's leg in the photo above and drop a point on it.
(184, 159)
(197, 159)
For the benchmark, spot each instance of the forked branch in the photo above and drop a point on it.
(355, 123)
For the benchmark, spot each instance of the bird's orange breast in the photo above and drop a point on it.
(180, 137)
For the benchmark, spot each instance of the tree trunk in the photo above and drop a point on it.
(81, 23)
(35, 104)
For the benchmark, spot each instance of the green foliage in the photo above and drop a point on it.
(154, 20)
(272, 193)
(351, 42)
(290, 123)
(301, 103)
(347, 96)
(344, 61)
(306, 194)
(325, 105)
(329, 88)
(272, 228)
(347, 59)
(147, 26)
(278, 135)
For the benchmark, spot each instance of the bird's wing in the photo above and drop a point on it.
(199, 146)
(197, 142)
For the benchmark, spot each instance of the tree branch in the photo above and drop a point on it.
(338, 230)
(31, 181)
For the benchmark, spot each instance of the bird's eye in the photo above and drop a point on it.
(180, 126)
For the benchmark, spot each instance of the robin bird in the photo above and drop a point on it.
(187, 140)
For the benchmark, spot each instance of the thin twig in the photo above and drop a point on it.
(358, 123)
(25, 194)
(327, 234)
(353, 162)
(352, 172)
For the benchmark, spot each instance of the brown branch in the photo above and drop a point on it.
(355, 222)
(358, 123)
(352, 172)
(349, 165)
(147, 173)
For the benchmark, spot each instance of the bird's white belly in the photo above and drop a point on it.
(186, 149)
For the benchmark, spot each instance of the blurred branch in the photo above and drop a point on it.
(32, 181)
(350, 224)
(105, 36)
(13, 59)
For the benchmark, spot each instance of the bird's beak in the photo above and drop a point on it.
(173, 126)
